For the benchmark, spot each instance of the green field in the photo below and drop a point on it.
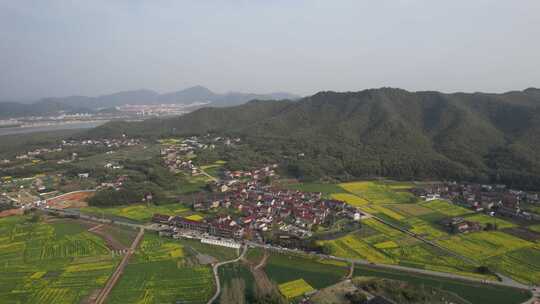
(319, 274)
(316, 187)
(535, 228)
(295, 288)
(138, 212)
(378, 193)
(57, 262)
(446, 208)
(474, 293)
(236, 281)
(483, 245)
(162, 271)
(485, 219)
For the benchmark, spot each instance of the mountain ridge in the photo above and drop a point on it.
(382, 132)
(189, 95)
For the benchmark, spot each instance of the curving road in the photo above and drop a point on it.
(215, 268)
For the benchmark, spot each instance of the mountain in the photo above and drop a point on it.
(194, 94)
(380, 132)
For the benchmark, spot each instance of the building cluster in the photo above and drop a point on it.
(250, 207)
(177, 156)
(104, 142)
(461, 225)
(30, 155)
(116, 184)
(493, 199)
(107, 143)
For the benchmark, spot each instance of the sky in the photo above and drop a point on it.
(80, 47)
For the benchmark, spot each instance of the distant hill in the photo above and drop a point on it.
(89, 104)
(381, 132)
(14, 109)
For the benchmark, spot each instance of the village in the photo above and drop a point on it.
(246, 206)
(494, 200)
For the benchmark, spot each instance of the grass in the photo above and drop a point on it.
(295, 288)
(218, 252)
(57, 262)
(283, 268)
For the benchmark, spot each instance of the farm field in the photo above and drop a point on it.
(485, 219)
(138, 212)
(282, 268)
(350, 199)
(535, 228)
(295, 288)
(236, 281)
(163, 271)
(446, 208)
(57, 262)
(402, 250)
(522, 264)
(483, 245)
(317, 187)
(474, 293)
(384, 200)
(378, 193)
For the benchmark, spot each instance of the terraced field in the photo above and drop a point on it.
(56, 262)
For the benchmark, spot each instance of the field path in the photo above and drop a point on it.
(119, 270)
(95, 228)
(262, 263)
(216, 274)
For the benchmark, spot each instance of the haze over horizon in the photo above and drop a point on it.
(55, 48)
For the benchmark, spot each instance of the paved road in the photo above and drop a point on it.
(216, 274)
(400, 268)
(119, 270)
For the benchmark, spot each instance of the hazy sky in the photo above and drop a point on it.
(92, 47)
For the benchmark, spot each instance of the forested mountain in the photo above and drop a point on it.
(88, 104)
(381, 132)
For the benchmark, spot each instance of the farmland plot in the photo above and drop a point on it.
(295, 288)
(446, 208)
(50, 262)
(483, 245)
(162, 272)
(378, 193)
(283, 268)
